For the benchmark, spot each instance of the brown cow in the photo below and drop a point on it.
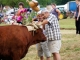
(15, 41)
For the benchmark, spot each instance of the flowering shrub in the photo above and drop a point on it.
(28, 17)
(19, 18)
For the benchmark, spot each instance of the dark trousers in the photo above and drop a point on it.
(19, 22)
(77, 23)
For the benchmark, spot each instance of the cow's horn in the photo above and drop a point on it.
(35, 26)
(30, 28)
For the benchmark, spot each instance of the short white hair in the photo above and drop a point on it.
(39, 12)
(45, 10)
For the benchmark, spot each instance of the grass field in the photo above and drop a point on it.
(67, 24)
(70, 49)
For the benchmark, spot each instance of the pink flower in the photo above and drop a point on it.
(21, 11)
(19, 18)
(25, 10)
(26, 16)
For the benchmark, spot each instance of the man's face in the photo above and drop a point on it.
(40, 17)
(45, 14)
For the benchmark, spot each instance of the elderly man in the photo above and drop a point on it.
(52, 32)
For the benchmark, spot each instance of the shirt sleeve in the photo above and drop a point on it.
(55, 27)
(51, 18)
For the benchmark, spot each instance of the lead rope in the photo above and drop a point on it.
(33, 33)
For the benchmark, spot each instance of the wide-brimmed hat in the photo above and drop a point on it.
(34, 5)
(49, 8)
(37, 8)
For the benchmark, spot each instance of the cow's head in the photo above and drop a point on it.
(39, 36)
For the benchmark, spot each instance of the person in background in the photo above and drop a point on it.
(20, 13)
(55, 11)
(52, 33)
(77, 17)
(42, 47)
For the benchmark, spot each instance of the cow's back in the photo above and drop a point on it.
(13, 39)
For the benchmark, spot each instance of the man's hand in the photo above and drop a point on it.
(39, 24)
(77, 18)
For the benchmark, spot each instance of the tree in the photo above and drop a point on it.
(61, 2)
(44, 2)
(41, 2)
(13, 3)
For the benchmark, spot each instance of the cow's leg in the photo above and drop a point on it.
(0, 57)
(7, 58)
(16, 56)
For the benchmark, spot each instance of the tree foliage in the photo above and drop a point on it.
(13, 3)
(41, 2)
(61, 2)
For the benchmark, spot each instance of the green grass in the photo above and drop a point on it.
(70, 49)
(67, 23)
(2, 24)
(64, 24)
